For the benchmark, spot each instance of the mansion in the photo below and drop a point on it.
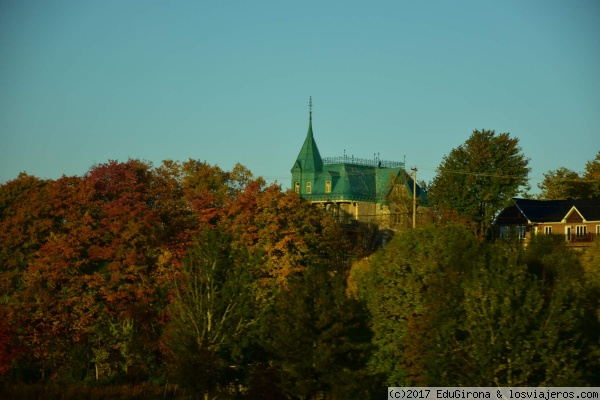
(354, 190)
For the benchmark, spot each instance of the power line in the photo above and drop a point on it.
(459, 172)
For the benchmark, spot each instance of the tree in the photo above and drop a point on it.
(317, 337)
(90, 285)
(412, 289)
(564, 183)
(590, 261)
(560, 184)
(284, 231)
(524, 320)
(591, 177)
(210, 312)
(479, 178)
(449, 310)
(245, 279)
(36, 220)
(30, 211)
(8, 348)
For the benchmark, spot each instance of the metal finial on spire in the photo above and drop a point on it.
(310, 105)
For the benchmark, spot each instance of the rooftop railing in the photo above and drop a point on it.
(367, 162)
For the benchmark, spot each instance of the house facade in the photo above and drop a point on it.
(578, 221)
(352, 190)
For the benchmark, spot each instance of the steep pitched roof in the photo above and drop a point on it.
(409, 184)
(351, 182)
(309, 158)
(348, 182)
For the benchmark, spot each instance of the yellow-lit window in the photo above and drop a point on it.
(548, 230)
(328, 187)
(308, 188)
(297, 187)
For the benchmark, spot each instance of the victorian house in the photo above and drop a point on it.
(353, 190)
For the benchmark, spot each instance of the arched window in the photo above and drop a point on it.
(297, 187)
(308, 188)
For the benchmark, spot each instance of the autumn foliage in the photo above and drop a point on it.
(93, 271)
(212, 282)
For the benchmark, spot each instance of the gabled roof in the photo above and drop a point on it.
(540, 211)
(421, 194)
(574, 211)
(309, 158)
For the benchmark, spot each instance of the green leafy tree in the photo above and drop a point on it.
(560, 184)
(448, 310)
(210, 312)
(317, 337)
(412, 289)
(564, 183)
(524, 321)
(591, 177)
(479, 178)
(590, 260)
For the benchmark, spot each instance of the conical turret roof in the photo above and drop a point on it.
(309, 158)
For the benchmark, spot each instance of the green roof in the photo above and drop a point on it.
(309, 158)
(357, 183)
(348, 181)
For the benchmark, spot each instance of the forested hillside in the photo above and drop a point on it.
(214, 281)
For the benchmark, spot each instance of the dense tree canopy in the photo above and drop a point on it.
(134, 273)
(560, 184)
(591, 177)
(479, 178)
(448, 310)
(564, 183)
(223, 285)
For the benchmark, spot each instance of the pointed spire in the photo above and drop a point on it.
(309, 158)
(310, 132)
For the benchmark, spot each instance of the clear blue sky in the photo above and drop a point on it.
(82, 82)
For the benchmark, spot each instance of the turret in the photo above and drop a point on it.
(309, 163)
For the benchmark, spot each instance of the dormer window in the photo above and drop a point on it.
(308, 188)
(297, 187)
(328, 187)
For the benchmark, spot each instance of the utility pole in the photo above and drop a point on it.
(414, 170)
